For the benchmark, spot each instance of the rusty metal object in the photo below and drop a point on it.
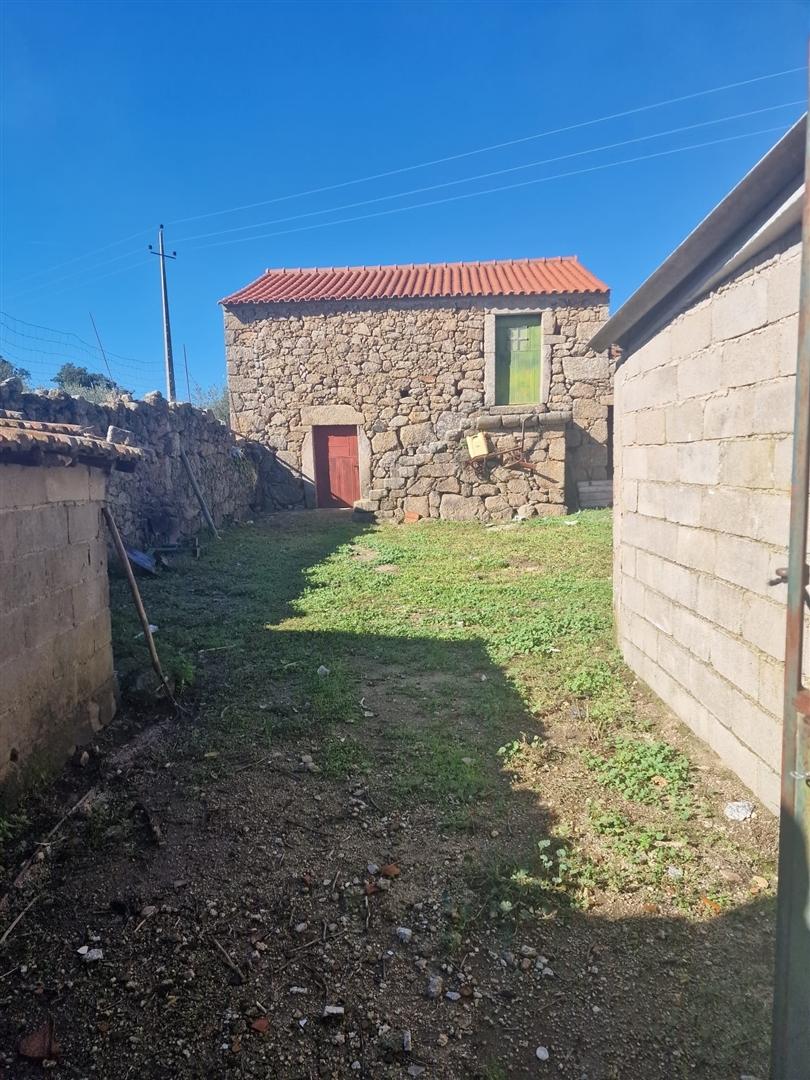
(790, 1046)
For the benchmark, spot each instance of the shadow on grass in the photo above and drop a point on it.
(430, 725)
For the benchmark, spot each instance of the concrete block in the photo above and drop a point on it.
(673, 581)
(739, 308)
(684, 503)
(744, 562)
(753, 357)
(629, 495)
(692, 331)
(684, 422)
(701, 374)
(720, 603)
(727, 510)
(782, 463)
(657, 610)
(731, 414)
(89, 598)
(67, 484)
(773, 410)
(746, 463)
(692, 632)
(789, 345)
(84, 522)
(696, 548)
(771, 687)
(699, 463)
(763, 623)
(23, 581)
(783, 286)
(659, 386)
(737, 661)
(768, 516)
(633, 595)
(22, 486)
(653, 354)
(650, 426)
(652, 498)
(672, 658)
(42, 620)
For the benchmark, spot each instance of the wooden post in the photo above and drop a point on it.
(121, 551)
(199, 494)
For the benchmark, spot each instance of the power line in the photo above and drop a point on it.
(80, 343)
(491, 191)
(498, 172)
(495, 146)
(86, 255)
(419, 165)
(34, 289)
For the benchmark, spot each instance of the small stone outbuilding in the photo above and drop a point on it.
(57, 685)
(704, 422)
(368, 381)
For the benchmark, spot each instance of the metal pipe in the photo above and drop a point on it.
(790, 1047)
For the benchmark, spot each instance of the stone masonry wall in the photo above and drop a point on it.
(56, 666)
(412, 376)
(157, 501)
(703, 459)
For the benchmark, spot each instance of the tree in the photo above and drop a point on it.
(71, 377)
(10, 371)
(214, 398)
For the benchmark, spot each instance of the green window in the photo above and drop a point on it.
(517, 359)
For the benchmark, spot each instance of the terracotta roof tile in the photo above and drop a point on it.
(509, 277)
(34, 442)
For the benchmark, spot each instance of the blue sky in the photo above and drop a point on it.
(119, 116)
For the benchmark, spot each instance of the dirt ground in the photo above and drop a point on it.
(416, 820)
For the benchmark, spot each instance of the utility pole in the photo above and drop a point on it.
(167, 330)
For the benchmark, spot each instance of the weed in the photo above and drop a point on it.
(550, 877)
(650, 772)
(343, 756)
(11, 825)
(512, 751)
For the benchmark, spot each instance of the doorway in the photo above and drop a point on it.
(337, 469)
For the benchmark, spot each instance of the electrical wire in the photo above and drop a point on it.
(45, 271)
(496, 172)
(494, 146)
(491, 191)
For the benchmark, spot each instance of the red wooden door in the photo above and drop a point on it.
(337, 471)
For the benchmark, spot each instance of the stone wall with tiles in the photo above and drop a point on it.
(704, 415)
(56, 666)
(416, 377)
(157, 502)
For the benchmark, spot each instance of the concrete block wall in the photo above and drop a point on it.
(56, 666)
(704, 416)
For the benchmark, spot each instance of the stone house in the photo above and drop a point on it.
(704, 418)
(368, 381)
(56, 664)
